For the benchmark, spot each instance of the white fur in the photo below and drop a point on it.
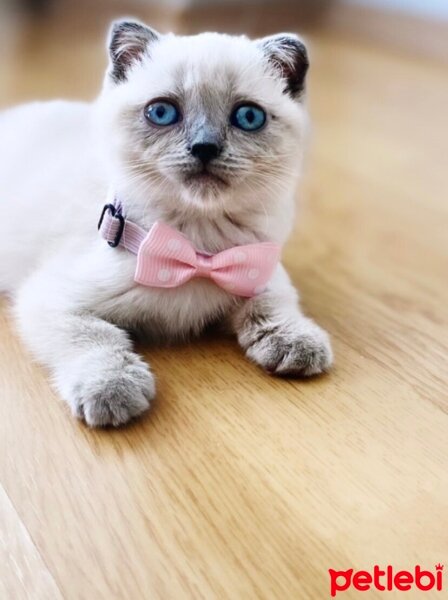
(74, 297)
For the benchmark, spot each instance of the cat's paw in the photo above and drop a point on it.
(108, 387)
(299, 350)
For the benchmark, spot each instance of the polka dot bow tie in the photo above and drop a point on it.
(166, 259)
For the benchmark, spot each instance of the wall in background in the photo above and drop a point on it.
(230, 3)
(426, 8)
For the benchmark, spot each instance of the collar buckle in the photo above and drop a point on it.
(116, 214)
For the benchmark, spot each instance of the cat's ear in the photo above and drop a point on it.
(128, 41)
(289, 58)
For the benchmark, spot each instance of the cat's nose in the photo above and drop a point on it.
(205, 151)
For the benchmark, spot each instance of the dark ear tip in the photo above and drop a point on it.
(126, 23)
(128, 40)
(119, 25)
(289, 43)
(295, 43)
(130, 27)
(288, 54)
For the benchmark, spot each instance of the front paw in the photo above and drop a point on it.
(108, 387)
(294, 350)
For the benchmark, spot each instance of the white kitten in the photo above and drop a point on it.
(167, 140)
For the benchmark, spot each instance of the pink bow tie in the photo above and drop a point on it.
(165, 258)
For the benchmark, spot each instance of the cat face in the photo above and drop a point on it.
(212, 119)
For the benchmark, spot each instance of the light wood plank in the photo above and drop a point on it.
(23, 572)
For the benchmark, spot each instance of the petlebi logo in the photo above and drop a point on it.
(387, 579)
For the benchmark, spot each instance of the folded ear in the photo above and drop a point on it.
(289, 58)
(128, 42)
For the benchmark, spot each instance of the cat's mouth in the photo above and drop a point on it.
(206, 178)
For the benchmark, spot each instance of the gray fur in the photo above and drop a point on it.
(277, 337)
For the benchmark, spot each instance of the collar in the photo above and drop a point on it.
(166, 258)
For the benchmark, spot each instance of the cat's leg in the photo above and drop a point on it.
(277, 336)
(91, 360)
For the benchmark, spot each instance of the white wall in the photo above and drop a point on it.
(429, 8)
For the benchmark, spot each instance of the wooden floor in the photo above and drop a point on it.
(239, 486)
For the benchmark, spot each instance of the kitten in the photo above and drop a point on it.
(203, 133)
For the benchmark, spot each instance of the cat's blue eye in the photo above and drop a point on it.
(162, 113)
(248, 117)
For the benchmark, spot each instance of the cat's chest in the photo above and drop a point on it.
(170, 312)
